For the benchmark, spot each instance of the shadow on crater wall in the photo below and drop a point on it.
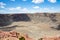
(8, 28)
(21, 17)
(5, 20)
(52, 17)
(57, 28)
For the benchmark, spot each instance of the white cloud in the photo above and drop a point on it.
(46, 8)
(24, 9)
(11, 8)
(24, 0)
(36, 7)
(12, 0)
(37, 1)
(52, 1)
(2, 5)
(2, 11)
(18, 9)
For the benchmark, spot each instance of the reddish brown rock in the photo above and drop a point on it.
(51, 38)
(11, 38)
(12, 35)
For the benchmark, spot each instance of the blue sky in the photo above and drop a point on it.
(29, 6)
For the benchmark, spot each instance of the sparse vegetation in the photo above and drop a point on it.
(22, 38)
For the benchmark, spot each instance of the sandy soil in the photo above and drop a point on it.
(37, 28)
(34, 30)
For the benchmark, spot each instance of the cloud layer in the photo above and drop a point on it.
(24, 0)
(12, 0)
(36, 7)
(18, 9)
(21, 6)
(2, 5)
(41, 1)
(37, 1)
(52, 1)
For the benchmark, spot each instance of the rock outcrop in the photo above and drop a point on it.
(12, 35)
(6, 19)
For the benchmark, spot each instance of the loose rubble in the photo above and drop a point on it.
(50, 38)
(12, 35)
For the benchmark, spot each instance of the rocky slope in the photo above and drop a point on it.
(37, 17)
(35, 25)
